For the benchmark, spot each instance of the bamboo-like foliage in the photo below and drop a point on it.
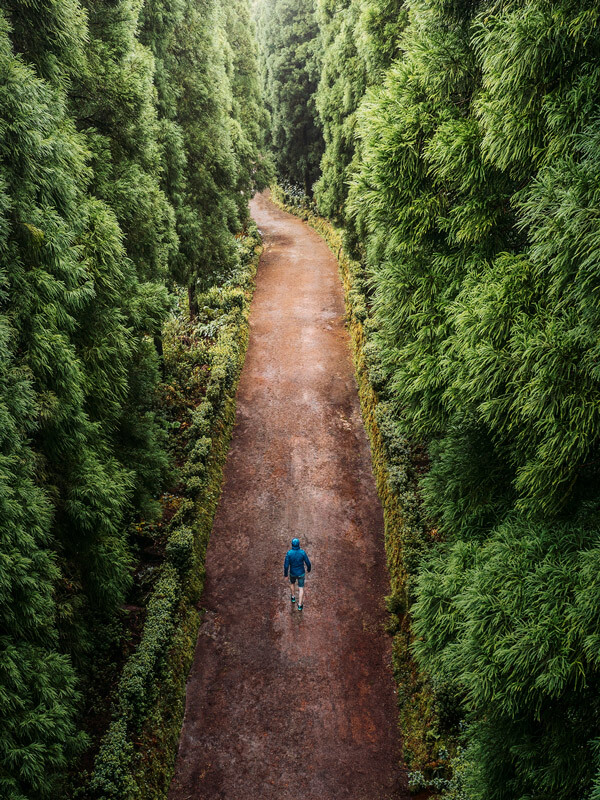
(101, 444)
(130, 143)
(290, 54)
(358, 41)
(249, 118)
(476, 199)
(514, 620)
(212, 126)
(342, 85)
(204, 169)
(60, 482)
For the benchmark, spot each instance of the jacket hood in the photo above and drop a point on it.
(296, 544)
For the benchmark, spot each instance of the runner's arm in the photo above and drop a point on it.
(307, 561)
(286, 565)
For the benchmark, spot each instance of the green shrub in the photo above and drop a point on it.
(180, 549)
(112, 776)
(139, 676)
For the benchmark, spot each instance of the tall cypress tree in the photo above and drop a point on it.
(114, 103)
(378, 34)
(249, 116)
(341, 88)
(195, 102)
(104, 459)
(45, 287)
(359, 40)
(289, 38)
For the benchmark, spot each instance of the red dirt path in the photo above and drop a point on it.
(280, 703)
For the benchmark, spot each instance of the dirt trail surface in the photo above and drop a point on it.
(280, 703)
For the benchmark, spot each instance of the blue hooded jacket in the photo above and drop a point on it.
(295, 559)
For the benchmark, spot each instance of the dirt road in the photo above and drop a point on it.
(280, 703)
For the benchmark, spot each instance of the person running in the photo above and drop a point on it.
(295, 559)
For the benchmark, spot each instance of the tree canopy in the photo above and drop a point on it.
(288, 36)
(131, 143)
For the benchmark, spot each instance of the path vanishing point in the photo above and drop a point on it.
(280, 703)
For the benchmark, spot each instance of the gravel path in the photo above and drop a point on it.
(280, 703)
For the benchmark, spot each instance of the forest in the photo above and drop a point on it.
(130, 144)
(453, 148)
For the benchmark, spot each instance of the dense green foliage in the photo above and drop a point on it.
(288, 35)
(250, 117)
(131, 135)
(479, 217)
(64, 484)
(358, 40)
(195, 104)
(474, 203)
(340, 91)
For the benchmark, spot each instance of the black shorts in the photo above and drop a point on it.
(299, 578)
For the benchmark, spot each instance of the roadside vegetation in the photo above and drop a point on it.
(131, 141)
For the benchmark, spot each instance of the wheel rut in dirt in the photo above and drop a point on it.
(280, 703)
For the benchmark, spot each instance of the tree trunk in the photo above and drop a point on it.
(192, 302)
(158, 344)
